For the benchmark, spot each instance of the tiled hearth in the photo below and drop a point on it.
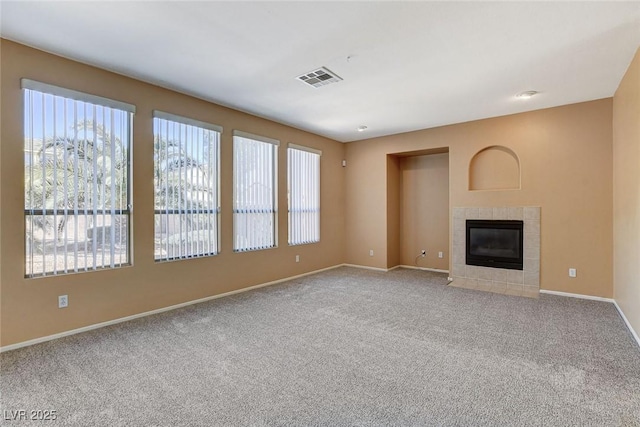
(511, 282)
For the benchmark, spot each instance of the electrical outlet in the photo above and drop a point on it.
(423, 253)
(573, 272)
(297, 258)
(63, 301)
(440, 255)
(370, 252)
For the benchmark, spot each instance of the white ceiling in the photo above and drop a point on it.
(413, 65)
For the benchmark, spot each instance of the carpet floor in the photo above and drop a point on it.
(343, 347)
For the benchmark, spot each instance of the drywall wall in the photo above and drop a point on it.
(394, 218)
(424, 194)
(566, 168)
(29, 306)
(494, 168)
(626, 194)
(367, 202)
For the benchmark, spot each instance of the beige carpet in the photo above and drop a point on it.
(343, 347)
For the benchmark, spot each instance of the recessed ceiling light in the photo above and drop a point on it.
(361, 128)
(527, 94)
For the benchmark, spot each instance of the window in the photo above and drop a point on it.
(77, 180)
(186, 177)
(304, 194)
(254, 192)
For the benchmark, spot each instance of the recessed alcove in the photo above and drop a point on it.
(418, 209)
(494, 168)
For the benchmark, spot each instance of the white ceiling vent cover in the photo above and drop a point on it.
(320, 77)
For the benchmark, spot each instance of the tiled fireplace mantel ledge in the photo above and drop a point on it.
(510, 282)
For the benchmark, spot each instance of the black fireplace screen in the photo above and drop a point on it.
(495, 243)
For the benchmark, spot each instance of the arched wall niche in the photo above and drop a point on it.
(494, 168)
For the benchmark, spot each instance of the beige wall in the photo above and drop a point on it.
(566, 156)
(424, 194)
(394, 212)
(494, 168)
(626, 193)
(29, 306)
(367, 203)
(566, 168)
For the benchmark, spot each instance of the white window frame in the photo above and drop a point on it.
(203, 238)
(61, 159)
(303, 194)
(245, 186)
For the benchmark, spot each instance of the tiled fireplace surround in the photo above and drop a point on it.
(511, 282)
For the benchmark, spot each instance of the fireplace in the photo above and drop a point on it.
(522, 282)
(495, 243)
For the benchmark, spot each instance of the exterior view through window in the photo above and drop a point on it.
(77, 181)
(303, 179)
(254, 192)
(186, 175)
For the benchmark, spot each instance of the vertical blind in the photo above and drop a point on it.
(254, 192)
(77, 180)
(303, 179)
(186, 178)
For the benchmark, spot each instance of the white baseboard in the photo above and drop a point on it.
(590, 297)
(579, 296)
(626, 321)
(413, 267)
(366, 267)
(152, 312)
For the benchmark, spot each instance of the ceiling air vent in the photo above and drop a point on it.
(320, 77)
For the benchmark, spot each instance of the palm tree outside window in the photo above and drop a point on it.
(77, 181)
(186, 182)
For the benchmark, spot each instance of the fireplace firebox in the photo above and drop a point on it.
(495, 243)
